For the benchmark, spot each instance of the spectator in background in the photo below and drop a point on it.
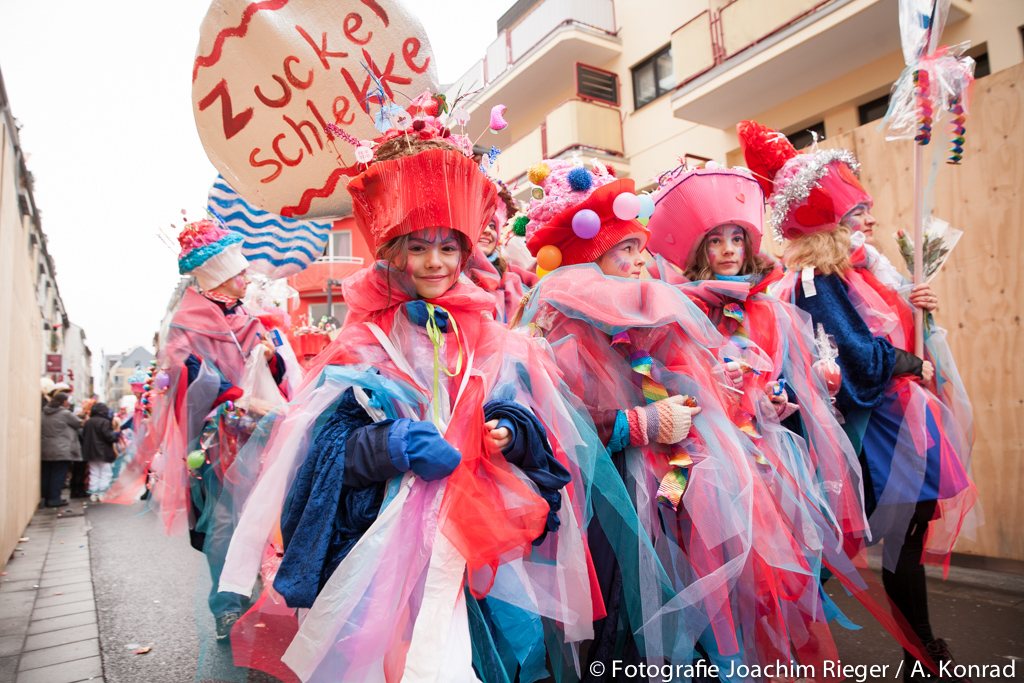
(98, 439)
(59, 445)
(80, 469)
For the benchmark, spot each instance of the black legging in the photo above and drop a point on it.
(906, 585)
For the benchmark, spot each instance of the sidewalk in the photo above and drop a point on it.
(49, 633)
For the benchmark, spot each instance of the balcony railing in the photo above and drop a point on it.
(340, 259)
(533, 29)
(574, 124)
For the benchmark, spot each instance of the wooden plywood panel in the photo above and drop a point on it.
(980, 289)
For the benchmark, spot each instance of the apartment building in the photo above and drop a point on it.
(646, 86)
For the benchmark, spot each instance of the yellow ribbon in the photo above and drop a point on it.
(437, 339)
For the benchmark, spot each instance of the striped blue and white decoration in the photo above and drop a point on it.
(275, 246)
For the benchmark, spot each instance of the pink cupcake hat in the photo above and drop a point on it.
(210, 253)
(690, 202)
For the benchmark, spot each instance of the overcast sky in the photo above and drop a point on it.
(102, 91)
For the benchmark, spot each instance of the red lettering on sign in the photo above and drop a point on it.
(256, 163)
(386, 75)
(280, 154)
(321, 50)
(378, 10)
(339, 116)
(359, 93)
(297, 127)
(232, 124)
(301, 85)
(279, 102)
(411, 48)
(352, 23)
(319, 119)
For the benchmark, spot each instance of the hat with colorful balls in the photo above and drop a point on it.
(577, 213)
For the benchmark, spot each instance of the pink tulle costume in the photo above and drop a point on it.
(719, 555)
(774, 343)
(435, 562)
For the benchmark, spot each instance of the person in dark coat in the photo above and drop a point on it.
(59, 447)
(98, 439)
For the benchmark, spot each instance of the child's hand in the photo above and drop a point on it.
(927, 372)
(502, 437)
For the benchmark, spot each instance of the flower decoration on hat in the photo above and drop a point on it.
(578, 213)
(436, 187)
(808, 192)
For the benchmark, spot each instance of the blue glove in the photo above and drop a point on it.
(418, 443)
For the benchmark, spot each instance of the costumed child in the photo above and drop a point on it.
(201, 415)
(914, 452)
(707, 225)
(131, 422)
(698, 564)
(430, 478)
(488, 267)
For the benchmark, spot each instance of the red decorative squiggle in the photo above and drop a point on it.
(239, 31)
(312, 193)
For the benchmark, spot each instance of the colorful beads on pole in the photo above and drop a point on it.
(924, 107)
(956, 121)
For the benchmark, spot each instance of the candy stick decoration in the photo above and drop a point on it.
(924, 107)
(956, 152)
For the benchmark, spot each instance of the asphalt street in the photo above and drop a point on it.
(151, 589)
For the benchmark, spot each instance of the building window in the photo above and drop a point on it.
(339, 245)
(873, 110)
(318, 311)
(804, 136)
(653, 77)
(981, 65)
(596, 84)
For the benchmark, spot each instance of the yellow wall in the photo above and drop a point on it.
(20, 360)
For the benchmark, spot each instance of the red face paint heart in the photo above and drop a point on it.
(817, 211)
(741, 198)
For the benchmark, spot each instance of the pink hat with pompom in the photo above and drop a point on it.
(690, 202)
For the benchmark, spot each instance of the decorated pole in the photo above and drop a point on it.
(936, 80)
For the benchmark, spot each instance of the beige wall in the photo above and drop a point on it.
(20, 359)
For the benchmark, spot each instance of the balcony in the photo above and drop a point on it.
(594, 130)
(536, 54)
(313, 280)
(729, 68)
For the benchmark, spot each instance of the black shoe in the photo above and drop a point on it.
(56, 503)
(940, 654)
(224, 624)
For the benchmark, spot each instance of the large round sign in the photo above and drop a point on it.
(270, 76)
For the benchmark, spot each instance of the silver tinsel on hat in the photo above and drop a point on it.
(799, 187)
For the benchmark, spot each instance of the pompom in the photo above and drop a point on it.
(580, 179)
(519, 224)
(766, 151)
(538, 172)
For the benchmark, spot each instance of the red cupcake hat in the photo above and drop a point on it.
(809, 192)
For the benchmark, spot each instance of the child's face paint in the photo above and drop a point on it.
(433, 261)
(859, 219)
(625, 259)
(489, 238)
(235, 287)
(725, 249)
